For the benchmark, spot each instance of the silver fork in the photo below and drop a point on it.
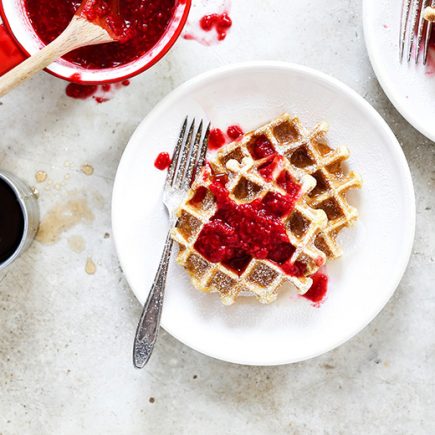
(187, 160)
(413, 28)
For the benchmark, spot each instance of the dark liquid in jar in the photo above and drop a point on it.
(11, 222)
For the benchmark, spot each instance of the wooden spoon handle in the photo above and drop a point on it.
(79, 33)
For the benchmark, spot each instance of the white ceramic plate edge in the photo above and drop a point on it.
(399, 156)
(383, 80)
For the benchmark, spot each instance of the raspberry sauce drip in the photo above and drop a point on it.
(260, 147)
(234, 132)
(268, 168)
(81, 92)
(221, 23)
(236, 233)
(318, 290)
(100, 94)
(162, 161)
(216, 139)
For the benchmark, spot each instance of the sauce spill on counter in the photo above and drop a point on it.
(100, 93)
(209, 28)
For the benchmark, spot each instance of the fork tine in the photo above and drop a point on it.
(203, 151)
(184, 157)
(174, 161)
(429, 28)
(193, 159)
(412, 27)
(426, 41)
(420, 29)
(403, 24)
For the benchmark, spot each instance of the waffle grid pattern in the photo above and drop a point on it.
(319, 214)
(311, 153)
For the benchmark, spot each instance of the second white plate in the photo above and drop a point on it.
(376, 249)
(410, 87)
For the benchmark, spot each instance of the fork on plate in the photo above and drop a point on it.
(187, 160)
(414, 28)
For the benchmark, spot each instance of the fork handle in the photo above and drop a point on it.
(149, 323)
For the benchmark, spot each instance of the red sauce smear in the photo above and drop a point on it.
(260, 147)
(140, 24)
(221, 23)
(318, 290)
(105, 13)
(162, 161)
(83, 92)
(236, 233)
(268, 168)
(234, 132)
(100, 100)
(216, 139)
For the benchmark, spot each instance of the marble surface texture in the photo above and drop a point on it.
(66, 333)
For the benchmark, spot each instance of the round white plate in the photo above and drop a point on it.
(376, 249)
(410, 87)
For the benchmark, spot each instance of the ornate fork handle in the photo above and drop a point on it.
(149, 323)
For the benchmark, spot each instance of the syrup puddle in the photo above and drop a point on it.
(62, 218)
(87, 169)
(40, 176)
(77, 244)
(90, 267)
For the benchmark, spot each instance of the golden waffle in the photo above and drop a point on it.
(309, 152)
(245, 183)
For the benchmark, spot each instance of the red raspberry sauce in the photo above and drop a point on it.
(220, 22)
(81, 92)
(216, 139)
(162, 161)
(237, 233)
(140, 25)
(260, 147)
(199, 196)
(234, 132)
(318, 290)
(268, 168)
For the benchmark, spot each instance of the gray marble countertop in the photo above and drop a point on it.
(66, 333)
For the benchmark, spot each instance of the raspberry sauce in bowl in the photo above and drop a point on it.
(140, 25)
(146, 30)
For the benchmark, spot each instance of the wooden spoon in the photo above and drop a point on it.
(79, 33)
